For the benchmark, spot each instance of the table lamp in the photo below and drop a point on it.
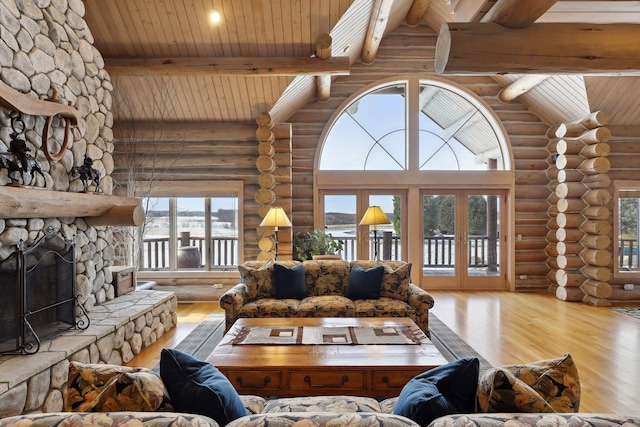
(276, 217)
(374, 216)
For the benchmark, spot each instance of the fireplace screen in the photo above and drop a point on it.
(37, 285)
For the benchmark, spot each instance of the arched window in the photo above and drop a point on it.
(435, 157)
(454, 131)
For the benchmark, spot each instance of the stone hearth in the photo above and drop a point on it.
(119, 330)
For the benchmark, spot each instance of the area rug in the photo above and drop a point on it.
(204, 338)
(629, 311)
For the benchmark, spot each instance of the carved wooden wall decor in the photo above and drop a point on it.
(13, 100)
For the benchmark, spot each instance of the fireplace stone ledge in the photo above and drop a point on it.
(119, 330)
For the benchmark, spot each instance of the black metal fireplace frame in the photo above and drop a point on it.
(25, 346)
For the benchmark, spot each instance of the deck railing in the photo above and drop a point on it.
(439, 251)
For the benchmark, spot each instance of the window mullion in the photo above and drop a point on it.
(413, 135)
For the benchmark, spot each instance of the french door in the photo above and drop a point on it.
(343, 210)
(463, 244)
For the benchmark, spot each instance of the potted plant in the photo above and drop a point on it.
(316, 244)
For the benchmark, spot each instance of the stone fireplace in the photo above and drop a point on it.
(46, 47)
(37, 285)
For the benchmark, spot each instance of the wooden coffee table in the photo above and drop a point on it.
(379, 370)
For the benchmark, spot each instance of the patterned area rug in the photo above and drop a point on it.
(203, 339)
(629, 311)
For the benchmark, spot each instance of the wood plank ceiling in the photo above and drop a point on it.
(264, 32)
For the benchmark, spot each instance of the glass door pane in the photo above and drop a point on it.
(190, 219)
(439, 234)
(387, 236)
(482, 236)
(340, 220)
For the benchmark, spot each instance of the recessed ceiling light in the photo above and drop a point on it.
(215, 17)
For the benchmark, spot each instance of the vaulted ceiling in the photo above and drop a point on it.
(169, 62)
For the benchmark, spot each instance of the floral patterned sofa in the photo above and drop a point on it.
(325, 291)
(543, 393)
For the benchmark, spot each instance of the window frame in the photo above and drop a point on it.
(204, 189)
(619, 187)
(413, 180)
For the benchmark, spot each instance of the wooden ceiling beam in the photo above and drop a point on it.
(417, 11)
(323, 51)
(377, 26)
(521, 86)
(517, 13)
(544, 48)
(238, 66)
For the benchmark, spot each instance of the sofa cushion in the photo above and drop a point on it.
(258, 277)
(326, 306)
(105, 387)
(198, 387)
(383, 307)
(447, 389)
(270, 307)
(289, 282)
(543, 386)
(364, 283)
(322, 404)
(395, 280)
(323, 419)
(326, 277)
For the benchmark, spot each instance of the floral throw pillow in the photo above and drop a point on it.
(103, 388)
(544, 386)
(258, 277)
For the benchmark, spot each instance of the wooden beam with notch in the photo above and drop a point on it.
(377, 26)
(517, 13)
(417, 11)
(238, 66)
(545, 48)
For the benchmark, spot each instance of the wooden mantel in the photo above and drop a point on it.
(95, 208)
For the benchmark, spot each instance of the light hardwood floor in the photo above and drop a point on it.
(510, 328)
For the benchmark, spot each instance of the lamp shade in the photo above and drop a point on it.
(374, 216)
(276, 217)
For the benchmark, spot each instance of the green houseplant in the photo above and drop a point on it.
(316, 242)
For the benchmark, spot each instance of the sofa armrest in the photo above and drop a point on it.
(534, 419)
(231, 302)
(148, 419)
(323, 419)
(421, 301)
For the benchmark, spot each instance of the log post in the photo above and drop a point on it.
(323, 82)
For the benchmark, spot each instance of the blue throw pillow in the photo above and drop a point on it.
(198, 387)
(447, 389)
(289, 282)
(364, 284)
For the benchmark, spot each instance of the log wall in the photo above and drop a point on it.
(205, 152)
(579, 238)
(230, 151)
